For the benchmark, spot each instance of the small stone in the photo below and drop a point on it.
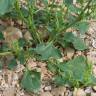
(60, 60)
(94, 43)
(47, 88)
(31, 64)
(46, 94)
(79, 92)
(59, 91)
(27, 36)
(19, 68)
(69, 52)
(10, 91)
(92, 56)
(68, 93)
(79, 53)
(12, 34)
(94, 88)
(94, 70)
(93, 94)
(88, 90)
(15, 76)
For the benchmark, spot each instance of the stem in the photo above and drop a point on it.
(73, 23)
(28, 21)
(19, 12)
(5, 53)
(31, 24)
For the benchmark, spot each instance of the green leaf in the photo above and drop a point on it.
(31, 81)
(24, 12)
(77, 72)
(47, 50)
(63, 43)
(59, 80)
(79, 44)
(76, 41)
(21, 42)
(1, 65)
(52, 67)
(83, 27)
(68, 37)
(21, 57)
(6, 6)
(1, 36)
(68, 2)
(12, 64)
(74, 9)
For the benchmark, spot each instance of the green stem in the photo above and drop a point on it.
(32, 27)
(17, 8)
(28, 21)
(73, 23)
(5, 53)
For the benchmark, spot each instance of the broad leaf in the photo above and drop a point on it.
(6, 6)
(79, 44)
(31, 81)
(75, 72)
(68, 37)
(1, 36)
(12, 64)
(76, 41)
(83, 27)
(47, 51)
(21, 57)
(78, 67)
(59, 80)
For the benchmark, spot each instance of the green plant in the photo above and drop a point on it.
(49, 30)
(68, 73)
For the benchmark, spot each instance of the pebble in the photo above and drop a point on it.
(88, 90)
(68, 93)
(60, 91)
(27, 36)
(93, 94)
(94, 43)
(69, 52)
(47, 88)
(46, 94)
(94, 88)
(10, 91)
(92, 56)
(79, 92)
(12, 33)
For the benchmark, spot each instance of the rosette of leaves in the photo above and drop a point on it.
(76, 72)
